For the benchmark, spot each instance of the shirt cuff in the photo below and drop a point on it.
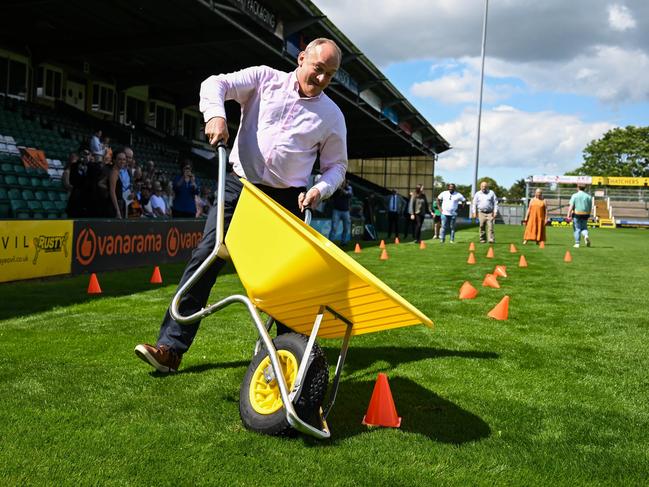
(213, 112)
(324, 188)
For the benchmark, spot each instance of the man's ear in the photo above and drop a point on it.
(300, 58)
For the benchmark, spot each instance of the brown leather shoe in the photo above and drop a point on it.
(162, 358)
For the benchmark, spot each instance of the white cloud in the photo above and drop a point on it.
(460, 87)
(611, 74)
(620, 18)
(526, 142)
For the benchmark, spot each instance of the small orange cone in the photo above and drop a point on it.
(156, 277)
(490, 253)
(500, 270)
(471, 247)
(381, 411)
(357, 249)
(522, 262)
(396, 240)
(382, 246)
(490, 281)
(501, 310)
(542, 244)
(384, 255)
(93, 285)
(567, 257)
(422, 245)
(467, 291)
(512, 248)
(471, 259)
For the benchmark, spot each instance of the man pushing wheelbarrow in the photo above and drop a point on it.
(286, 122)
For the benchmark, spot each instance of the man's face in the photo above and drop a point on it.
(451, 188)
(484, 187)
(130, 160)
(316, 69)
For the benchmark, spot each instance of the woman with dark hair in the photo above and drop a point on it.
(113, 203)
(420, 208)
(185, 190)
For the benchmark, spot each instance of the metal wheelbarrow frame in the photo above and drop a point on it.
(351, 301)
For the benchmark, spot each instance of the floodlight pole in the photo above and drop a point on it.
(474, 184)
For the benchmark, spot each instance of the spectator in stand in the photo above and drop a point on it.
(134, 208)
(145, 202)
(449, 201)
(114, 204)
(394, 203)
(151, 172)
(108, 152)
(203, 204)
(125, 178)
(168, 196)
(341, 201)
(158, 204)
(535, 219)
(65, 177)
(420, 208)
(96, 147)
(77, 203)
(185, 189)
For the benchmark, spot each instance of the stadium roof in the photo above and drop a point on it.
(171, 46)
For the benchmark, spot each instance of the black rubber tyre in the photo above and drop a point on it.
(307, 403)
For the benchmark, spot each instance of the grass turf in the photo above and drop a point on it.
(555, 395)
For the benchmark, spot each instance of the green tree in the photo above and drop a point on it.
(494, 186)
(517, 190)
(620, 152)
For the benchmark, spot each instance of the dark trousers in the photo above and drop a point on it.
(393, 223)
(419, 221)
(180, 337)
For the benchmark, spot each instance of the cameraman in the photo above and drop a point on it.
(185, 191)
(80, 180)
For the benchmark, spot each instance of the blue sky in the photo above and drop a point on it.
(558, 74)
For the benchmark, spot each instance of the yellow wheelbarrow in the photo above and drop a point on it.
(299, 278)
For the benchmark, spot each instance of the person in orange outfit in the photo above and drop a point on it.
(535, 219)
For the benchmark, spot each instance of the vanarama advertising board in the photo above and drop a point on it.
(101, 245)
(34, 248)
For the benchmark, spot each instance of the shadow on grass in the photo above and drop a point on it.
(39, 295)
(197, 369)
(362, 358)
(422, 412)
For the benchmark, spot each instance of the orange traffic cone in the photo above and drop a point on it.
(490, 253)
(93, 285)
(156, 277)
(501, 310)
(471, 246)
(500, 270)
(542, 244)
(357, 249)
(490, 281)
(467, 291)
(512, 248)
(396, 240)
(382, 246)
(522, 262)
(384, 255)
(422, 245)
(567, 257)
(381, 411)
(471, 259)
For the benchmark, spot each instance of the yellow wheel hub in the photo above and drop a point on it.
(265, 397)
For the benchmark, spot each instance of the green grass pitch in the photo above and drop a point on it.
(556, 395)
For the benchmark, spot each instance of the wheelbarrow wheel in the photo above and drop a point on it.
(260, 402)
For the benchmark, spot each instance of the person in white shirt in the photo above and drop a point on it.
(158, 205)
(449, 201)
(485, 208)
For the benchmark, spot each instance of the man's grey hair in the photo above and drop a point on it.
(323, 40)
